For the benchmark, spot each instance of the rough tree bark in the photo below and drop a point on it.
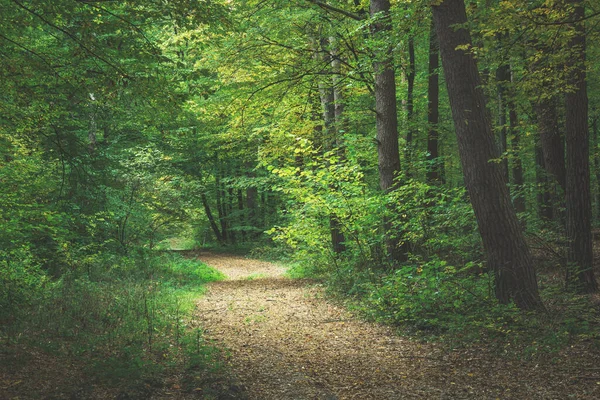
(552, 142)
(580, 272)
(386, 116)
(507, 252)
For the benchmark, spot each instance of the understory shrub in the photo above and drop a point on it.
(434, 299)
(131, 321)
(431, 295)
(22, 283)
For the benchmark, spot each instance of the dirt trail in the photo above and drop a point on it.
(286, 341)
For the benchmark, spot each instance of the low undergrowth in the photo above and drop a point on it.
(435, 301)
(128, 320)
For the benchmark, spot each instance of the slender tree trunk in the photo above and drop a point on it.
(341, 122)
(580, 272)
(503, 77)
(507, 252)
(517, 165)
(93, 128)
(252, 203)
(221, 207)
(338, 238)
(433, 99)
(211, 219)
(327, 94)
(410, 103)
(229, 207)
(388, 153)
(544, 200)
(242, 219)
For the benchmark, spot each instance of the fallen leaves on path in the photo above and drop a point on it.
(286, 341)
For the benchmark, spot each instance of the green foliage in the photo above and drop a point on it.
(131, 322)
(436, 301)
(431, 295)
(23, 284)
(436, 221)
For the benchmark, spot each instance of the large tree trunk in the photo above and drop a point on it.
(596, 158)
(434, 165)
(507, 252)
(385, 100)
(388, 155)
(553, 144)
(580, 271)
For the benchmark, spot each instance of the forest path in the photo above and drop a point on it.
(286, 341)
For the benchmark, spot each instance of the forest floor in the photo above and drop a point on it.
(285, 340)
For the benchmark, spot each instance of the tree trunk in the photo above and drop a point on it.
(229, 207)
(242, 219)
(341, 122)
(517, 165)
(410, 103)
(580, 272)
(330, 113)
(596, 158)
(553, 145)
(434, 164)
(211, 219)
(507, 252)
(545, 209)
(388, 153)
(503, 77)
(385, 100)
(338, 238)
(221, 208)
(251, 202)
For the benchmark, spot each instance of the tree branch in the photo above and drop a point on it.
(72, 37)
(328, 7)
(566, 22)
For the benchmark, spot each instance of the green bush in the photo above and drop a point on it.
(431, 295)
(22, 285)
(131, 322)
